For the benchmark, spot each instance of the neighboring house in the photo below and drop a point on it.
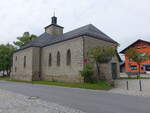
(58, 56)
(132, 67)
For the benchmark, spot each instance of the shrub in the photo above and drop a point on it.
(87, 73)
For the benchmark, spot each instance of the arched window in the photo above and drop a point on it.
(15, 69)
(16, 58)
(68, 57)
(58, 58)
(50, 60)
(24, 61)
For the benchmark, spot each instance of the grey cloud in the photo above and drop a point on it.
(123, 20)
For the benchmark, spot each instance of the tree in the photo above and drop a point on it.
(6, 52)
(25, 38)
(137, 57)
(101, 54)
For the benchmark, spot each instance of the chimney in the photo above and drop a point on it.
(53, 28)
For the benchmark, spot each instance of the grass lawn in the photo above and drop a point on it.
(100, 85)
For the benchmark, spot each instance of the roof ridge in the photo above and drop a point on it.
(87, 25)
(133, 44)
(89, 30)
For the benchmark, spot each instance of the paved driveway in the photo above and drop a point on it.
(86, 100)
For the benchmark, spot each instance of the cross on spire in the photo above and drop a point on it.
(54, 13)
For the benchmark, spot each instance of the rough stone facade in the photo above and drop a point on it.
(33, 61)
(54, 30)
(39, 69)
(106, 71)
(105, 68)
(19, 72)
(63, 72)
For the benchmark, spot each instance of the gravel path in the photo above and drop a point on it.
(16, 103)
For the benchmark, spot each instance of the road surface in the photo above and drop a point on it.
(89, 101)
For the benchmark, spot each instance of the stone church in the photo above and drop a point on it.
(58, 56)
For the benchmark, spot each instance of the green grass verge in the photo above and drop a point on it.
(100, 85)
(5, 78)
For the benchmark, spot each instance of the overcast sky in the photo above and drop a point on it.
(123, 20)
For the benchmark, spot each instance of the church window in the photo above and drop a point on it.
(50, 60)
(58, 58)
(68, 58)
(16, 58)
(24, 64)
(15, 69)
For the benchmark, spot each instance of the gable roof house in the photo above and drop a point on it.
(55, 55)
(131, 67)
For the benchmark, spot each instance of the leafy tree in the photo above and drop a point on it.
(25, 38)
(101, 54)
(137, 57)
(6, 52)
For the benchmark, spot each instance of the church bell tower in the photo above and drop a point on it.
(53, 28)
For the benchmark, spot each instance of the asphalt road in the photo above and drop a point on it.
(86, 100)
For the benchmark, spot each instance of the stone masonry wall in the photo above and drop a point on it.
(18, 70)
(39, 69)
(63, 72)
(54, 30)
(36, 63)
(89, 43)
(31, 70)
(106, 70)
